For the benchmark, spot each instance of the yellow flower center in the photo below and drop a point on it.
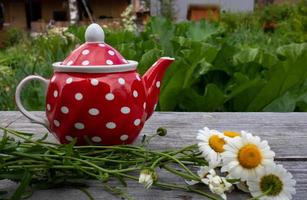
(231, 134)
(249, 156)
(216, 143)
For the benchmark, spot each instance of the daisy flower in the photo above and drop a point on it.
(211, 144)
(274, 183)
(245, 157)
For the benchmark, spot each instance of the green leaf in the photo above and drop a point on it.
(289, 101)
(173, 85)
(148, 59)
(163, 33)
(282, 77)
(255, 55)
(201, 30)
(247, 56)
(241, 91)
(212, 100)
(285, 103)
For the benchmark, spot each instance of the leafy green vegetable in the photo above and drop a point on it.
(245, 67)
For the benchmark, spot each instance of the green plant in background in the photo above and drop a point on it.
(229, 65)
(273, 13)
(32, 56)
(13, 36)
(295, 28)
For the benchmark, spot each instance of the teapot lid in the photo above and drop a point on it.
(95, 56)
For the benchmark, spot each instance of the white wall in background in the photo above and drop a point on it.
(181, 6)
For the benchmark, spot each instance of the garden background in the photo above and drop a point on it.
(242, 62)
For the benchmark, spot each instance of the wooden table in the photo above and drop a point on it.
(286, 133)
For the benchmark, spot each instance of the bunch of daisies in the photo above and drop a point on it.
(244, 161)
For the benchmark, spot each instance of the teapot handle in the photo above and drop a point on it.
(43, 121)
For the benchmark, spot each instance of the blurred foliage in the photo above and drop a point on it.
(229, 65)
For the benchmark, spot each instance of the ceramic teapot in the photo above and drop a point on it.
(96, 96)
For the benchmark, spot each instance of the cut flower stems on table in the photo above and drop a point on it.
(38, 164)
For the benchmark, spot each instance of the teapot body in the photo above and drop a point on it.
(102, 108)
(96, 96)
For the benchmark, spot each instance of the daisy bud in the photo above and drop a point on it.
(161, 131)
(147, 177)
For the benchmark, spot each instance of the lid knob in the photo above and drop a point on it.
(94, 33)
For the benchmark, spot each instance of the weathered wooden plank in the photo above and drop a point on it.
(298, 169)
(286, 132)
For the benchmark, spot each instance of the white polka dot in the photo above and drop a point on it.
(79, 126)
(52, 79)
(85, 52)
(158, 84)
(135, 93)
(144, 105)
(125, 110)
(102, 45)
(64, 110)
(138, 77)
(56, 123)
(69, 80)
(96, 139)
(111, 125)
(137, 122)
(121, 81)
(123, 137)
(48, 107)
(85, 62)
(69, 138)
(55, 93)
(94, 82)
(93, 111)
(78, 96)
(109, 62)
(69, 62)
(110, 52)
(109, 96)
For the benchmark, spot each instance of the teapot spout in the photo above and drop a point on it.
(152, 80)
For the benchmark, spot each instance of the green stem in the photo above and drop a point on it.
(111, 160)
(180, 163)
(202, 193)
(102, 169)
(39, 167)
(29, 140)
(87, 193)
(183, 175)
(262, 195)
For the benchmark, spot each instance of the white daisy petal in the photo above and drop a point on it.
(192, 182)
(233, 164)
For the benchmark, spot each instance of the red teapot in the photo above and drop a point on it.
(96, 96)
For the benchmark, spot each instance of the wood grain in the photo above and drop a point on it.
(286, 133)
